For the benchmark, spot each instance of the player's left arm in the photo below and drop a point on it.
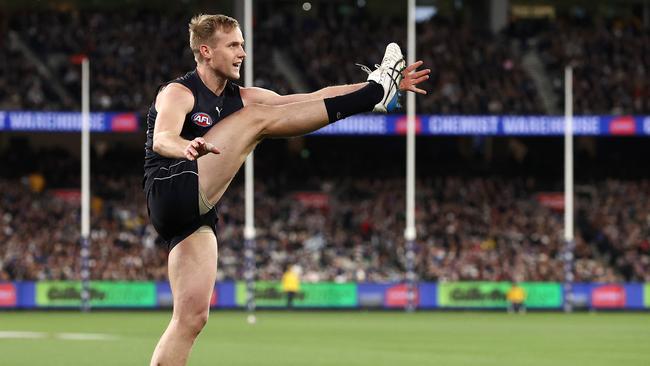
(410, 78)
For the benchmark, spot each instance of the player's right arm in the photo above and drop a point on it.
(172, 104)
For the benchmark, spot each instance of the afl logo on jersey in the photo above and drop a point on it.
(202, 119)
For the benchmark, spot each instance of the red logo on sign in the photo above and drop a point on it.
(313, 199)
(202, 119)
(610, 296)
(68, 195)
(397, 296)
(7, 295)
(214, 298)
(552, 200)
(401, 125)
(624, 125)
(125, 122)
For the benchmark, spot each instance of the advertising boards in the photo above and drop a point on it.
(323, 294)
(8, 296)
(429, 295)
(102, 294)
(493, 294)
(54, 121)
(608, 297)
(489, 125)
(397, 296)
(371, 295)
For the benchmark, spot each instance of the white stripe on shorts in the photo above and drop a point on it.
(173, 175)
(171, 166)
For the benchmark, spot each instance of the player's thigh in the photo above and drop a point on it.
(193, 272)
(235, 137)
(238, 133)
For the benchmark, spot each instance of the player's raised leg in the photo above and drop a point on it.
(236, 136)
(192, 274)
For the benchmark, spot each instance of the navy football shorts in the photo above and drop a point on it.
(173, 202)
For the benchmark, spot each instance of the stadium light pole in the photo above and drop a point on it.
(85, 184)
(568, 189)
(410, 231)
(249, 226)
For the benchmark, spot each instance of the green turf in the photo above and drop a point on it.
(330, 338)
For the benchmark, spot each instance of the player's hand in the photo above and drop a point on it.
(411, 77)
(199, 147)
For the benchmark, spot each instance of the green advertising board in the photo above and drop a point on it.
(102, 294)
(324, 294)
(493, 294)
(646, 295)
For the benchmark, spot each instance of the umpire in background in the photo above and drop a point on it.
(516, 297)
(290, 284)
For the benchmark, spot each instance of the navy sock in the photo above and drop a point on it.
(362, 100)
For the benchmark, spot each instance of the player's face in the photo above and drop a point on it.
(228, 55)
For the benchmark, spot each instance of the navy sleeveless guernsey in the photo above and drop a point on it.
(171, 185)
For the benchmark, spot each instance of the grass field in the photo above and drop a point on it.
(331, 338)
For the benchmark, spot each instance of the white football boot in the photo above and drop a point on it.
(388, 75)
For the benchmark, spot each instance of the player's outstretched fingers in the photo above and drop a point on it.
(200, 141)
(203, 147)
(418, 90)
(419, 74)
(411, 78)
(190, 152)
(412, 67)
(211, 148)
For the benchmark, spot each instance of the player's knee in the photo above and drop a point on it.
(194, 320)
(199, 321)
(261, 117)
(255, 112)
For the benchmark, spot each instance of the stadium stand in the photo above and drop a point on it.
(610, 63)
(470, 228)
(475, 72)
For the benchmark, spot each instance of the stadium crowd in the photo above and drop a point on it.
(469, 228)
(475, 72)
(347, 226)
(611, 64)
(131, 54)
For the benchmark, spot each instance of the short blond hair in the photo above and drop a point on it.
(202, 28)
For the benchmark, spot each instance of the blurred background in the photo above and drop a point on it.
(489, 163)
